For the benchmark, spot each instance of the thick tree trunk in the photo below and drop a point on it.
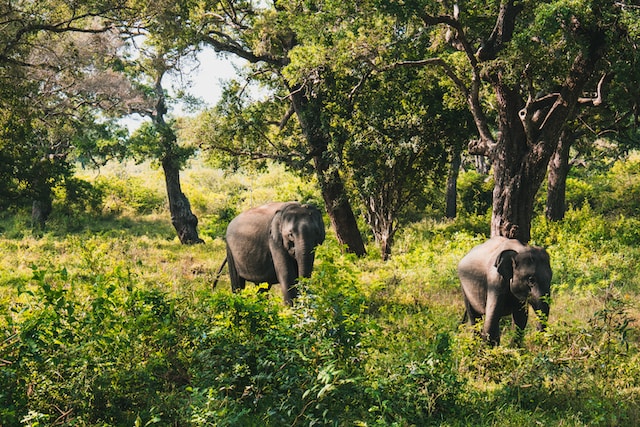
(529, 135)
(557, 178)
(42, 204)
(182, 219)
(40, 210)
(451, 210)
(333, 192)
(528, 131)
(519, 166)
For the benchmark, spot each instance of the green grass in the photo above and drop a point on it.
(106, 319)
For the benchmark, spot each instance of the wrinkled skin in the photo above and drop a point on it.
(274, 243)
(499, 278)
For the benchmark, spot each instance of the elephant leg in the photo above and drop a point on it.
(237, 282)
(491, 329)
(470, 315)
(292, 291)
(520, 317)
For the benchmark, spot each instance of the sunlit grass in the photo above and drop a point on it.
(387, 332)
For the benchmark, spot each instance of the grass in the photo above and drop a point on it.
(106, 319)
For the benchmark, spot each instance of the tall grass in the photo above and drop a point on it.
(106, 319)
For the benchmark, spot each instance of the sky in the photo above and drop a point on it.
(208, 76)
(206, 83)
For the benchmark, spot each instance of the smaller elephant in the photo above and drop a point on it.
(498, 278)
(274, 243)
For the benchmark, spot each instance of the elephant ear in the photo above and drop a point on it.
(504, 263)
(274, 231)
(317, 220)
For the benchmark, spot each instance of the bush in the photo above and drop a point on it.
(120, 327)
(475, 192)
(79, 196)
(128, 195)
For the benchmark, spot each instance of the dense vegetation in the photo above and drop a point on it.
(106, 319)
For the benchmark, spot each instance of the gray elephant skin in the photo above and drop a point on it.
(499, 278)
(274, 243)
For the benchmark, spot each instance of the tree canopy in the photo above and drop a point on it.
(372, 96)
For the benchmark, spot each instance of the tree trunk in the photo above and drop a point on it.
(529, 135)
(182, 219)
(519, 166)
(42, 204)
(528, 131)
(40, 210)
(451, 210)
(333, 192)
(557, 178)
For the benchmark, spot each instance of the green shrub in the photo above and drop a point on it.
(128, 195)
(119, 326)
(475, 192)
(78, 196)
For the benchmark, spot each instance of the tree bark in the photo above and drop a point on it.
(451, 209)
(182, 219)
(557, 178)
(42, 204)
(529, 133)
(309, 113)
(40, 210)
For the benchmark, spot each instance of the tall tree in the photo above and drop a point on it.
(265, 36)
(55, 71)
(513, 49)
(401, 134)
(611, 113)
(158, 141)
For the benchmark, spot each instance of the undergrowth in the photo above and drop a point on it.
(108, 320)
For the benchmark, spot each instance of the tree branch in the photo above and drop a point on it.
(502, 32)
(598, 99)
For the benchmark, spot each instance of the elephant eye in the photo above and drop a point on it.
(531, 280)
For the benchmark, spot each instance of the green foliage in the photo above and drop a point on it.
(79, 196)
(613, 190)
(120, 327)
(127, 194)
(475, 192)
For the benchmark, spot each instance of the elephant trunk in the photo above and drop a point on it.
(304, 258)
(541, 307)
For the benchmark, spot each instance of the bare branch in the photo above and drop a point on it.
(598, 99)
(286, 117)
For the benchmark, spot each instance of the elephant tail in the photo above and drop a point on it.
(215, 282)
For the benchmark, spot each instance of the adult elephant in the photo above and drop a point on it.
(274, 243)
(498, 278)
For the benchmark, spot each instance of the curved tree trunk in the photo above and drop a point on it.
(557, 178)
(333, 192)
(182, 219)
(451, 209)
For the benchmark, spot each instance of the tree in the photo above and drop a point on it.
(265, 36)
(401, 134)
(158, 140)
(514, 50)
(50, 51)
(612, 113)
